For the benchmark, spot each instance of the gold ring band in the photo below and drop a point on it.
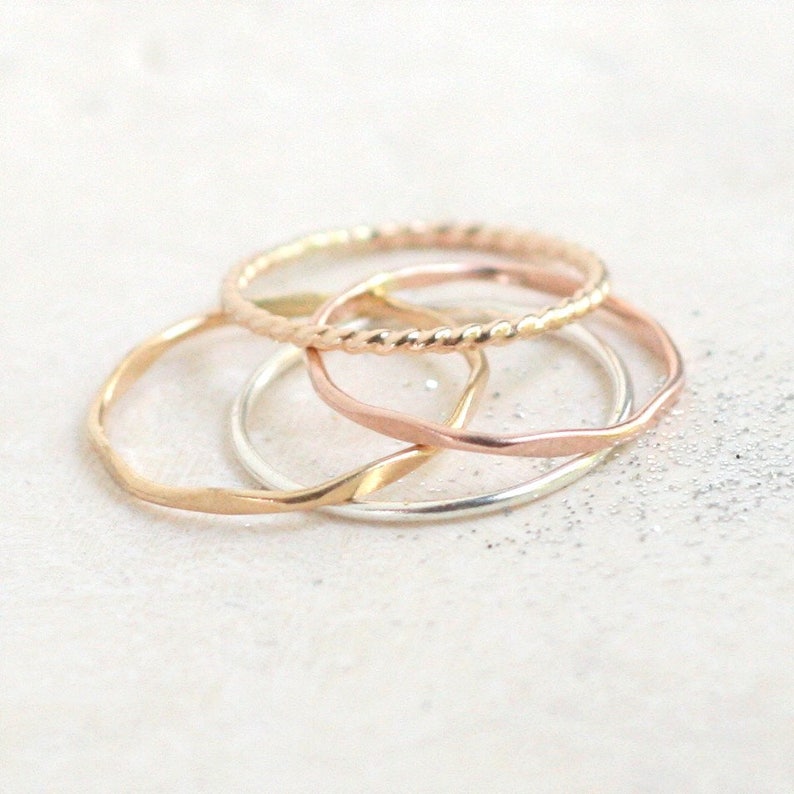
(233, 501)
(527, 247)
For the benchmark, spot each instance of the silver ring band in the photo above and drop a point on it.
(542, 485)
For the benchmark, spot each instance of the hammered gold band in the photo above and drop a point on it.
(235, 501)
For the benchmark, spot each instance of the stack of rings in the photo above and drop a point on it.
(345, 322)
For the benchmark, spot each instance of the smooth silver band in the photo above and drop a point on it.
(257, 465)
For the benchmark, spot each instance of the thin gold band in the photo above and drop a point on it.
(230, 501)
(526, 247)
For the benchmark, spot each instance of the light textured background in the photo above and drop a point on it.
(633, 633)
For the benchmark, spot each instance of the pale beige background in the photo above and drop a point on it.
(631, 634)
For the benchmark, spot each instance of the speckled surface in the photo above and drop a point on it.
(632, 633)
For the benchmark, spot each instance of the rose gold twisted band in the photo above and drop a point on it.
(544, 444)
(528, 247)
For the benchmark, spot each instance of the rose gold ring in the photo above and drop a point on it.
(540, 444)
(526, 247)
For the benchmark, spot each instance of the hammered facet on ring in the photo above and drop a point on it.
(552, 443)
(248, 501)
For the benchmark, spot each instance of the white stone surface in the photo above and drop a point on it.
(632, 633)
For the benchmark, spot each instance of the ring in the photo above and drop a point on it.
(233, 501)
(529, 247)
(261, 469)
(539, 444)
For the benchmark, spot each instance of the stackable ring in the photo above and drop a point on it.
(543, 444)
(231, 501)
(259, 466)
(527, 247)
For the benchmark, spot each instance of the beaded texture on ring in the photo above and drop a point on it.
(529, 247)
